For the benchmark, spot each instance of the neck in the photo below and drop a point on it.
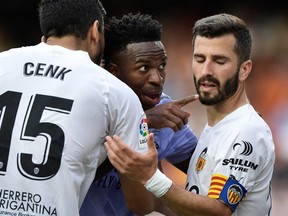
(215, 113)
(69, 42)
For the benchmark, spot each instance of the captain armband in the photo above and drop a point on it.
(232, 193)
(158, 184)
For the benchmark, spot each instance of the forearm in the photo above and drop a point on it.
(137, 198)
(165, 210)
(183, 203)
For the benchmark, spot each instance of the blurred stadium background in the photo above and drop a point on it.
(267, 85)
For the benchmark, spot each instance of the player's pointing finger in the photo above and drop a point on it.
(186, 100)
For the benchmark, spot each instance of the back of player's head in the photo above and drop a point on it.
(223, 24)
(131, 28)
(70, 17)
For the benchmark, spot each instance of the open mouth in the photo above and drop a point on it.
(207, 86)
(153, 98)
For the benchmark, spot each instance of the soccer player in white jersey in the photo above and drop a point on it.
(56, 108)
(135, 54)
(231, 169)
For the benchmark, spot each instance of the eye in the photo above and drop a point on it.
(199, 59)
(143, 68)
(162, 66)
(220, 61)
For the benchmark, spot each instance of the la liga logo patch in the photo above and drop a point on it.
(143, 127)
(143, 131)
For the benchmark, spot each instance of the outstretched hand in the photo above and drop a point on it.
(170, 114)
(134, 165)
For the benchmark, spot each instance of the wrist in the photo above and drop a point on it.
(158, 184)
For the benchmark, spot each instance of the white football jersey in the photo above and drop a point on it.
(234, 162)
(56, 108)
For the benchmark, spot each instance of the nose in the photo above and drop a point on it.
(156, 77)
(207, 68)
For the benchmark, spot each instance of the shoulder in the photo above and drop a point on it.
(252, 123)
(119, 88)
(246, 128)
(119, 95)
(14, 51)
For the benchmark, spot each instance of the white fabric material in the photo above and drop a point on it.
(241, 145)
(158, 184)
(64, 105)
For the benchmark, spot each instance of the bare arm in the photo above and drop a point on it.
(141, 167)
(137, 198)
(186, 203)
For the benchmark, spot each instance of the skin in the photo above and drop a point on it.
(211, 58)
(216, 58)
(142, 67)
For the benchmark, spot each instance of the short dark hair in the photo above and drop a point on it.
(70, 17)
(131, 28)
(222, 24)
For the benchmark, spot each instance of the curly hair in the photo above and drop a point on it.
(131, 28)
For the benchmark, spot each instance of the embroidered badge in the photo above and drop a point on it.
(201, 160)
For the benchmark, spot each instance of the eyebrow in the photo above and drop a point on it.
(144, 59)
(213, 56)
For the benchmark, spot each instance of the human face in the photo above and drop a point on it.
(215, 68)
(142, 67)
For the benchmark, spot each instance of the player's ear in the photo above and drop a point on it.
(43, 39)
(93, 32)
(113, 69)
(245, 70)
